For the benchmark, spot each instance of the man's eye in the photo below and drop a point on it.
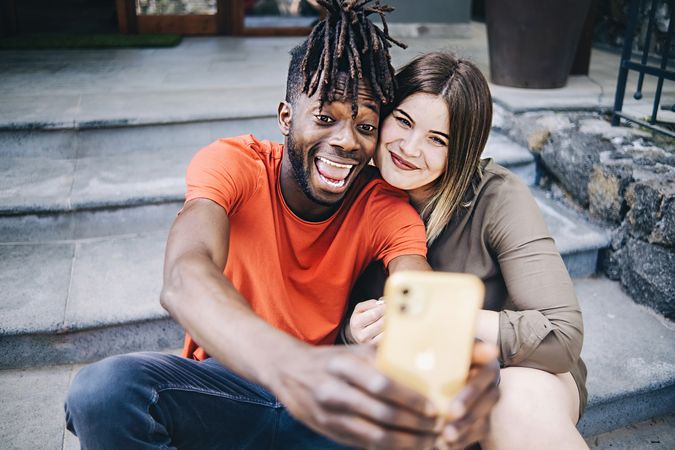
(367, 128)
(324, 118)
(403, 121)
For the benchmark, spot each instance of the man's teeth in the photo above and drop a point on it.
(331, 182)
(334, 164)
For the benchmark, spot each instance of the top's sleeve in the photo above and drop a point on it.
(395, 227)
(227, 172)
(545, 329)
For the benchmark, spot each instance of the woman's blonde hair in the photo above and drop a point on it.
(464, 88)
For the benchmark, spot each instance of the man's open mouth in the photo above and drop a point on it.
(333, 173)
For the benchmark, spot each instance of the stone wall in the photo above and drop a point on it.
(624, 178)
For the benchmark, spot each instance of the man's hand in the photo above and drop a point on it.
(338, 392)
(366, 323)
(468, 416)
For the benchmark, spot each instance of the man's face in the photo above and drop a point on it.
(326, 147)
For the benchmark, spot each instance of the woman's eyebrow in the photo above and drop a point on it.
(440, 134)
(405, 114)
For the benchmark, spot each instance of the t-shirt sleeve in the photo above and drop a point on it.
(543, 329)
(227, 172)
(395, 226)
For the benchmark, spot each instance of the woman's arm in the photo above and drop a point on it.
(543, 327)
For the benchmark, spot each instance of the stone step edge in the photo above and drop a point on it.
(622, 409)
(51, 208)
(87, 345)
(580, 264)
(132, 122)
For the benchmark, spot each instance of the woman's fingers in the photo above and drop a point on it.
(369, 333)
(367, 320)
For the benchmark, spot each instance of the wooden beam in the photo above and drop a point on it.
(277, 31)
(126, 16)
(8, 25)
(179, 24)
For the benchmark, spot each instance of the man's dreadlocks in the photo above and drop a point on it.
(345, 41)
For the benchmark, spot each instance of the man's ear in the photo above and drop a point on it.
(284, 117)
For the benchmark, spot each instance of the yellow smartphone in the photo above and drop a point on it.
(429, 331)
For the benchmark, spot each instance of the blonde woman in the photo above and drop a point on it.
(481, 219)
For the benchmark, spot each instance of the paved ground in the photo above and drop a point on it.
(226, 77)
(218, 79)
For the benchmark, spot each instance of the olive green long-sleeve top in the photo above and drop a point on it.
(501, 237)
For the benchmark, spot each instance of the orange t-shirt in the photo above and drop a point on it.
(295, 274)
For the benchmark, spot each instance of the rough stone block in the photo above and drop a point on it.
(651, 216)
(571, 158)
(606, 187)
(647, 274)
(644, 200)
(664, 232)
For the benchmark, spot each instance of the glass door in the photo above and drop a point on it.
(186, 17)
(280, 17)
(210, 17)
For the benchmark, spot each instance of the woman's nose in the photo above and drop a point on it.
(410, 146)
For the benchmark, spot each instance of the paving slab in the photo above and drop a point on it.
(115, 281)
(59, 144)
(31, 408)
(35, 184)
(34, 281)
(577, 240)
(618, 334)
(131, 179)
(654, 434)
(630, 356)
(87, 224)
(510, 154)
(39, 350)
(205, 77)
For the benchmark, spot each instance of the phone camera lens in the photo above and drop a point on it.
(406, 291)
(403, 307)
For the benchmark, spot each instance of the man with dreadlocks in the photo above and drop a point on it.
(276, 235)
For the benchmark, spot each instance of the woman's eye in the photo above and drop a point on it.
(324, 119)
(403, 121)
(438, 141)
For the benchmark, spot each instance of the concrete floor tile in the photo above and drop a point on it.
(33, 184)
(116, 280)
(146, 176)
(57, 144)
(31, 408)
(36, 228)
(122, 221)
(571, 231)
(653, 434)
(51, 111)
(34, 280)
(622, 362)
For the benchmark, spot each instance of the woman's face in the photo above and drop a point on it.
(413, 147)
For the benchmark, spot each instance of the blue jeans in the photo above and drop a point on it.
(160, 401)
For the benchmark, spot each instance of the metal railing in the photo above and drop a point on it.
(643, 67)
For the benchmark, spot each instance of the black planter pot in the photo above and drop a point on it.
(533, 42)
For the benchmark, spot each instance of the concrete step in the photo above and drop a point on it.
(628, 350)
(57, 172)
(653, 434)
(510, 154)
(577, 240)
(104, 267)
(630, 356)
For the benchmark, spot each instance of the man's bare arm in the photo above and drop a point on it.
(335, 391)
(205, 303)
